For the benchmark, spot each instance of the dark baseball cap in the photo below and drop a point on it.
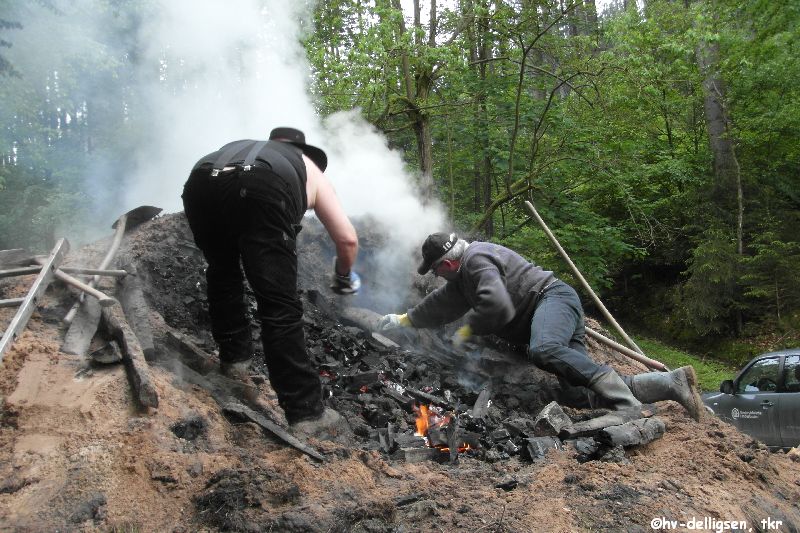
(434, 247)
(298, 138)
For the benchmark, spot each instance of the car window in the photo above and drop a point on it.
(791, 373)
(761, 377)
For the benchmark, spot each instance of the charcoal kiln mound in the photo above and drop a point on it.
(79, 453)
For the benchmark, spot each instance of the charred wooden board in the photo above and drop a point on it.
(418, 455)
(226, 393)
(634, 433)
(191, 354)
(136, 310)
(139, 373)
(481, 407)
(614, 418)
(245, 412)
(83, 328)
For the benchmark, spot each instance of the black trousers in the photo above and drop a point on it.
(250, 219)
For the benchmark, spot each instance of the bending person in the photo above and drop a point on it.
(244, 204)
(502, 293)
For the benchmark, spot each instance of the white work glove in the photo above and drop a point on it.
(390, 322)
(462, 335)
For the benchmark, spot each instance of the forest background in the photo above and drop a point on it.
(658, 139)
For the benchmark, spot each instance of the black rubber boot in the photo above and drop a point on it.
(612, 390)
(679, 385)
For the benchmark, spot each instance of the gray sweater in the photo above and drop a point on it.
(496, 287)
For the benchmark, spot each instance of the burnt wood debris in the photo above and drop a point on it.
(408, 393)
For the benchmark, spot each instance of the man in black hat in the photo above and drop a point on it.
(244, 204)
(501, 292)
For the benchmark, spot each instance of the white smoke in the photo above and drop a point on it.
(236, 69)
(207, 73)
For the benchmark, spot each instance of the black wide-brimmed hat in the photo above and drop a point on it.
(298, 138)
(434, 247)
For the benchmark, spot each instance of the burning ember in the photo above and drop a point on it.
(436, 428)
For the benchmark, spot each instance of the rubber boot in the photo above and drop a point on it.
(679, 385)
(239, 370)
(612, 390)
(330, 425)
(236, 378)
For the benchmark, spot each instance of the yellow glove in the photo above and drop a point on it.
(389, 322)
(463, 334)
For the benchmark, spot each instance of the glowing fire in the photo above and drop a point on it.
(428, 418)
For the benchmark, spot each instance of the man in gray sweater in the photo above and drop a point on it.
(500, 292)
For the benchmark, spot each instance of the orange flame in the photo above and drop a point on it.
(423, 420)
(427, 419)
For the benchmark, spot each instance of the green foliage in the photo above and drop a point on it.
(600, 123)
(709, 299)
(64, 117)
(606, 129)
(771, 274)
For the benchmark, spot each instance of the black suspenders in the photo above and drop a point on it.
(226, 156)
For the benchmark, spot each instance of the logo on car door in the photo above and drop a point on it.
(744, 415)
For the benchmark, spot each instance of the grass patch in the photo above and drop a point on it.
(709, 372)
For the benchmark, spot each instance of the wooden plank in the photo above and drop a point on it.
(137, 311)
(40, 284)
(481, 407)
(82, 328)
(191, 354)
(224, 390)
(245, 412)
(614, 418)
(138, 371)
(634, 433)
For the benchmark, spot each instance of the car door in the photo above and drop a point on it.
(754, 408)
(790, 402)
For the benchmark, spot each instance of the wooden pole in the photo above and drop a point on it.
(112, 251)
(580, 277)
(650, 363)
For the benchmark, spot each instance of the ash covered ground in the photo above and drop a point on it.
(77, 454)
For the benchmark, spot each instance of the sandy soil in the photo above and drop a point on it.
(76, 454)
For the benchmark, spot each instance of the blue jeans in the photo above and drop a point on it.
(557, 336)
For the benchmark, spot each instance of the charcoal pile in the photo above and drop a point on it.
(443, 438)
(409, 394)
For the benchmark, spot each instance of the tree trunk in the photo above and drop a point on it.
(417, 87)
(727, 176)
(484, 54)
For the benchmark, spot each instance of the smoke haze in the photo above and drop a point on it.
(195, 76)
(235, 70)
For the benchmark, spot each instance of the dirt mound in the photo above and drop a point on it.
(77, 454)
